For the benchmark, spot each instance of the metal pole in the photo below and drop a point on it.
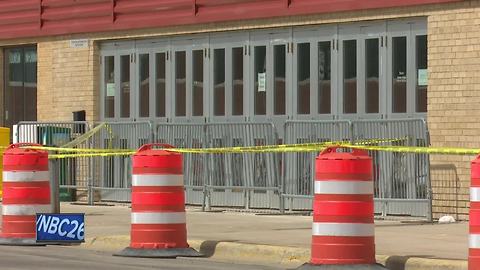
(54, 185)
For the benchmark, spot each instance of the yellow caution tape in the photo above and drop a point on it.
(83, 138)
(416, 149)
(221, 150)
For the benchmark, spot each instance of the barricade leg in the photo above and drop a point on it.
(26, 192)
(158, 227)
(343, 222)
(474, 228)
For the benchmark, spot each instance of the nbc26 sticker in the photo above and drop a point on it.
(60, 227)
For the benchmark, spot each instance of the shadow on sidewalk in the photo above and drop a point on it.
(207, 248)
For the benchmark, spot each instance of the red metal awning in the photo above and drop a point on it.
(33, 18)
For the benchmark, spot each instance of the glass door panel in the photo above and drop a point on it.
(219, 82)
(372, 76)
(260, 80)
(303, 78)
(180, 83)
(349, 80)
(399, 74)
(161, 84)
(324, 103)
(109, 86)
(238, 82)
(125, 86)
(144, 85)
(422, 74)
(197, 83)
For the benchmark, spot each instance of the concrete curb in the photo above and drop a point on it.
(289, 257)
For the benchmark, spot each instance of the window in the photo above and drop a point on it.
(125, 86)
(144, 85)
(422, 74)
(303, 78)
(109, 84)
(260, 78)
(372, 82)
(237, 84)
(399, 83)
(20, 88)
(350, 76)
(180, 84)
(219, 82)
(279, 85)
(160, 85)
(197, 95)
(324, 77)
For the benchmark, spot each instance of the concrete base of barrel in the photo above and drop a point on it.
(5, 241)
(309, 266)
(159, 253)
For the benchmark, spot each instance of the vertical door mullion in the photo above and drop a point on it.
(411, 73)
(188, 82)
(118, 83)
(228, 81)
(270, 80)
(152, 84)
(335, 75)
(314, 90)
(134, 87)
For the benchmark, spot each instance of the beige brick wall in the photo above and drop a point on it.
(68, 81)
(453, 102)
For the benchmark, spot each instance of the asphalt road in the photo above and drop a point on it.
(55, 257)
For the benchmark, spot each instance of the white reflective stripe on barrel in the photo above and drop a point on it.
(159, 218)
(474, 241)
(343, 187)
(342, 229)
(26, 176)
(157, 180)
(25, 209)
(475, 194)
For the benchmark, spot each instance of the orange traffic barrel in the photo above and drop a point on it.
(26, 192)
(474, 228)
(158, 221)
(343, 217)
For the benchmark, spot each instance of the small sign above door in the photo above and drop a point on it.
(79, 43)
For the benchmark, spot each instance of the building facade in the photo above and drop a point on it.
(270, 60)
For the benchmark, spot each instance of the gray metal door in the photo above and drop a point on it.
(190, 78)
(228, 86)
(118, 80)
(313, 82)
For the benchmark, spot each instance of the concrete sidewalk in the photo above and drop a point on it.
(108, 227)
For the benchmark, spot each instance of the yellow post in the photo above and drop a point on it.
(4, 142)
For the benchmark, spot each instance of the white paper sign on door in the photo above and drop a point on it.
(262, 82)
(422, 77)
(110, 89)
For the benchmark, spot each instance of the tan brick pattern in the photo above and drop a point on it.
(68, 80)
(453, 102)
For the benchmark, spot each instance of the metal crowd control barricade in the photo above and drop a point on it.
(298, 169)
(111, 176)
(227, 180)
(249, 180)
(402, 180)
(72, 173)
(195, 166)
